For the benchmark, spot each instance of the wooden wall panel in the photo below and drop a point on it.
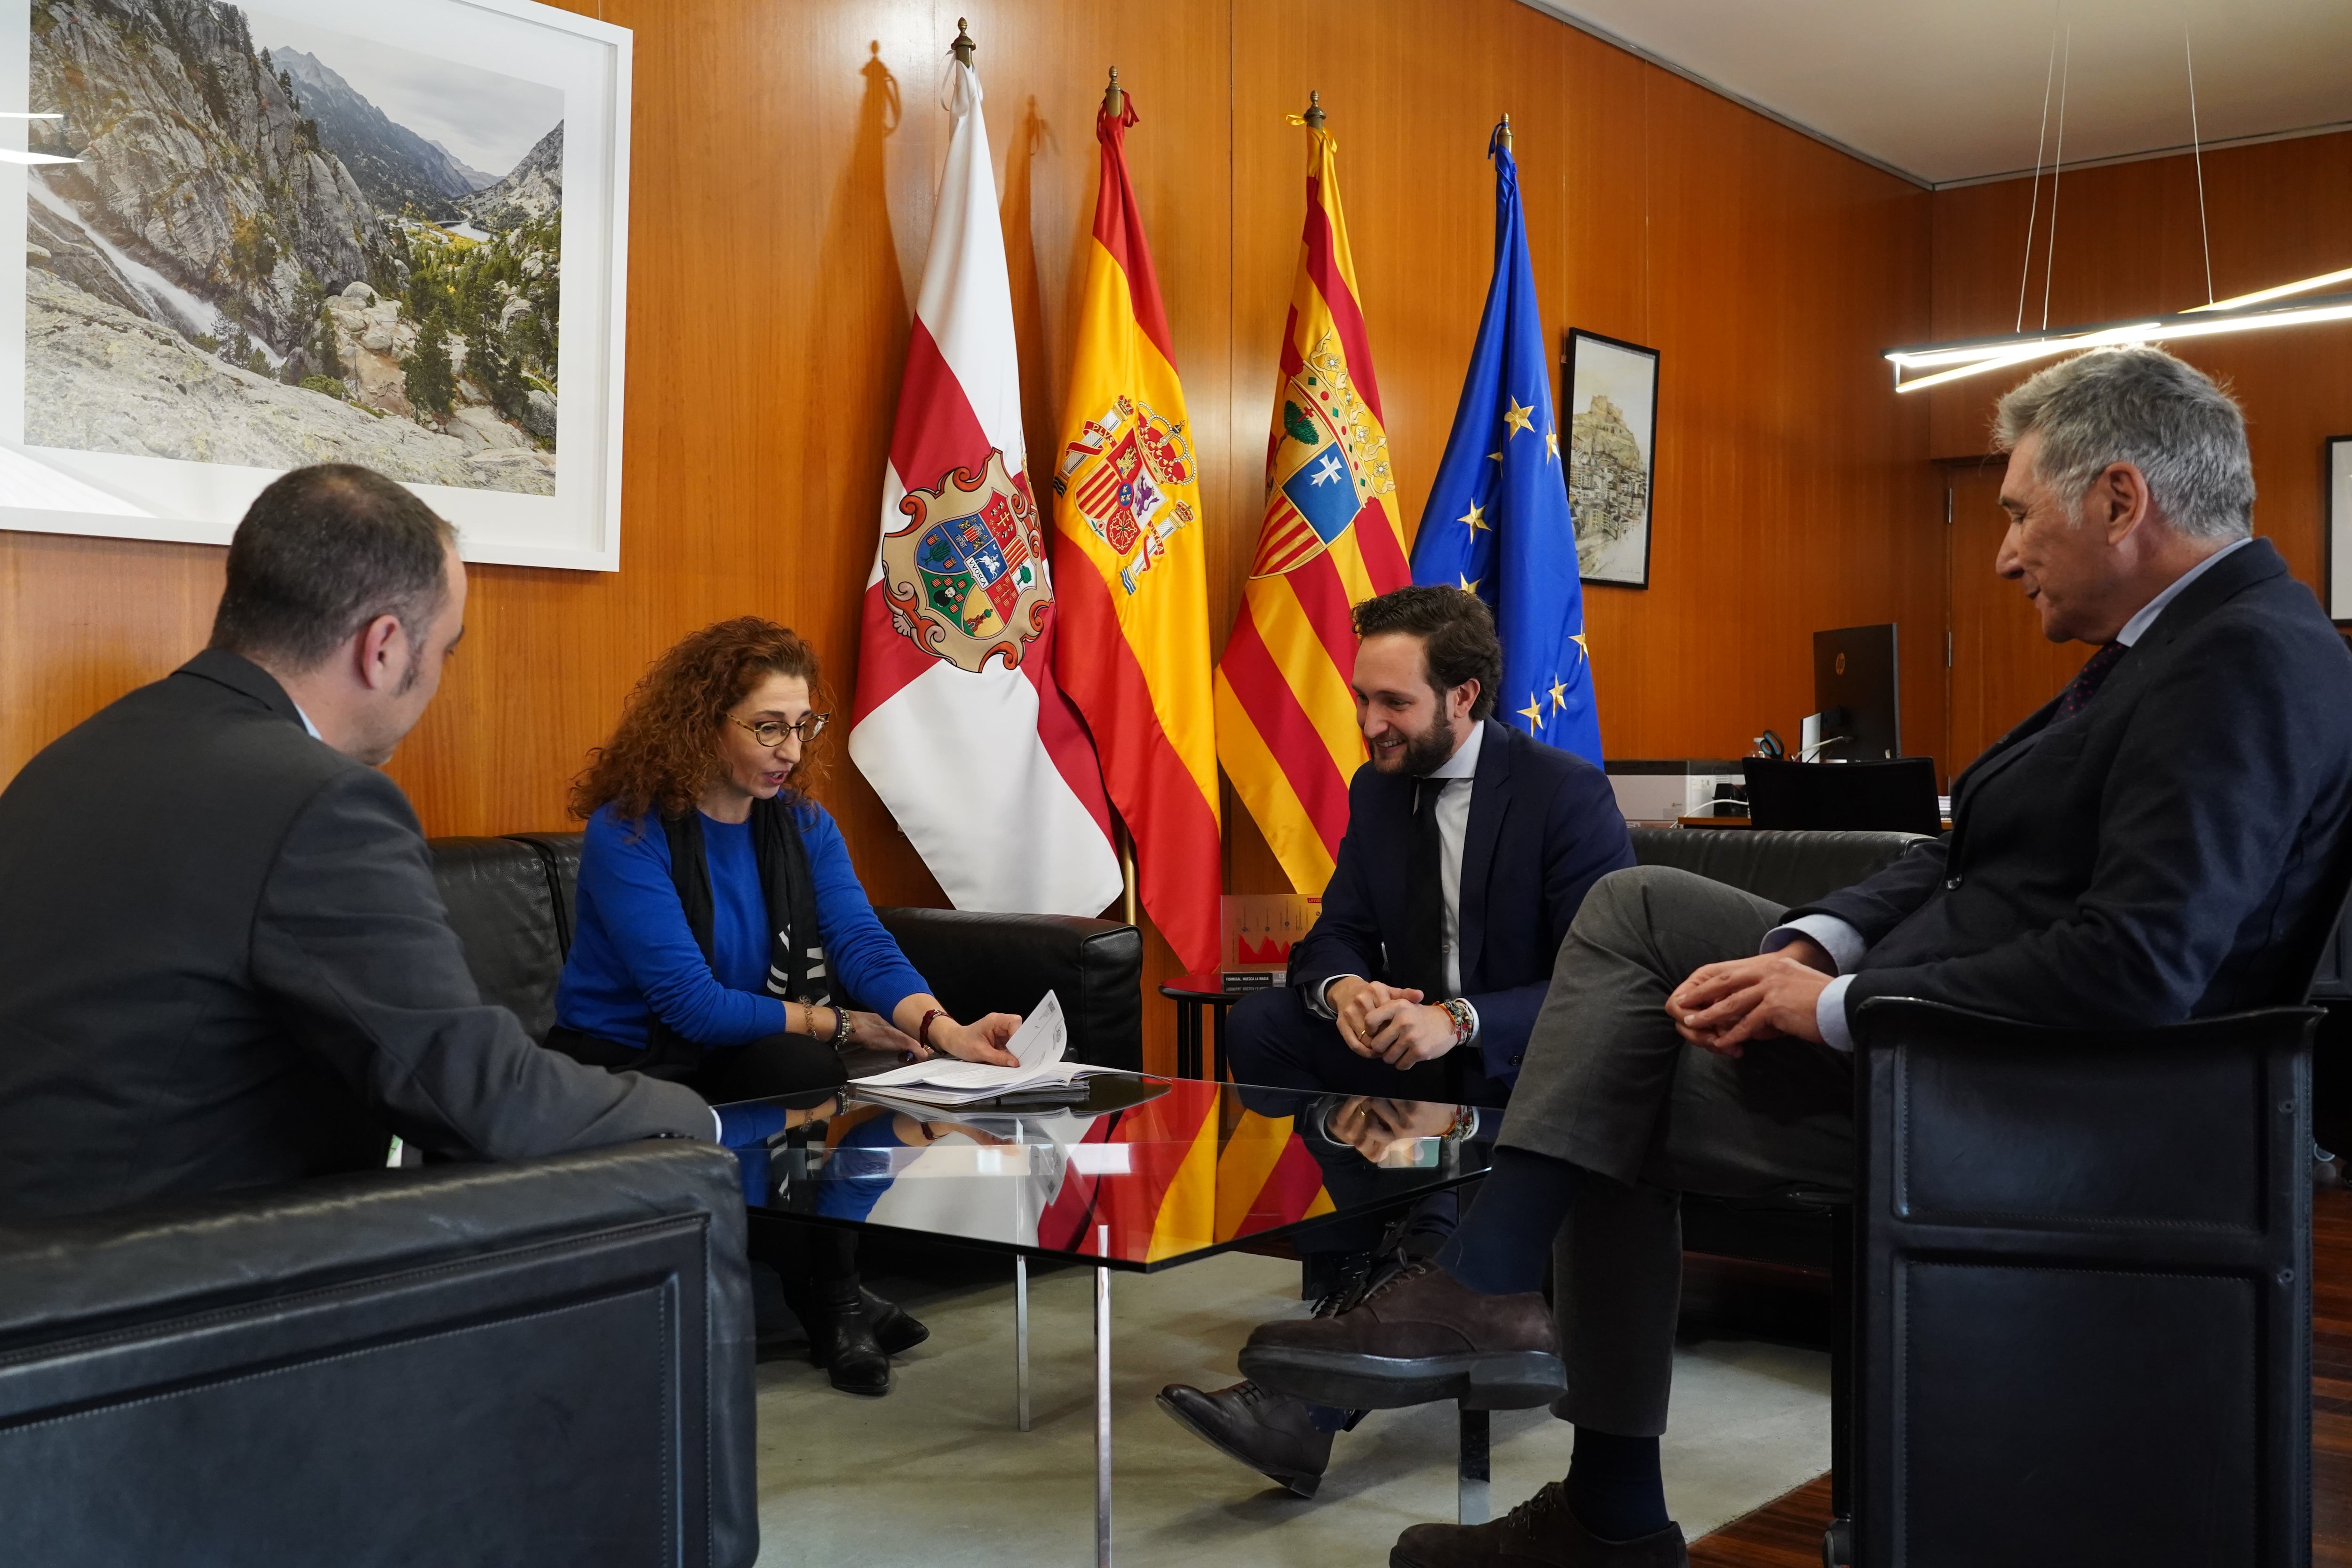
(785, 164)
(2128, 245)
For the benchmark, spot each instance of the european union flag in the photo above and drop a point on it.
(1497, 524)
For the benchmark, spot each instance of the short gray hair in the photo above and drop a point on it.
(2139, 405)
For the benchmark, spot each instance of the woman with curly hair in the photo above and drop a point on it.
(722, 933)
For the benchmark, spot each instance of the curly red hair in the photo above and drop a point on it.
(664, 751)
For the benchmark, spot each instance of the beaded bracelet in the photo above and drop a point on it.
(1465, 1022)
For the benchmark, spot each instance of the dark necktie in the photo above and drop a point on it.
(2088, 679)
(1419, 960)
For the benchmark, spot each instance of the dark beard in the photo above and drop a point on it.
(1429, 751)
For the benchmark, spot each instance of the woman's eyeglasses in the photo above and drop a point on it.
(771, 731)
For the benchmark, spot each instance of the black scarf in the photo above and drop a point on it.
(796, 966)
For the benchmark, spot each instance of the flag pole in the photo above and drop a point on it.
(1127, 902)
(1506, 131)
(1114, 100)
(1314, 115)
(963, 45)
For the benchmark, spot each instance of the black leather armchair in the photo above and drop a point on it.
(527, 1363)
(2085, 1265)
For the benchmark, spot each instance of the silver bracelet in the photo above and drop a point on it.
(840, 1026)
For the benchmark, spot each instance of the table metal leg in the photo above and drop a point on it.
(1102, 1403)
(1021, 1336)
(1217, 1068)
(1188, 1039)
(1473, 1504)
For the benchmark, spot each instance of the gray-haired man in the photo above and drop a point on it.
(2125, 858)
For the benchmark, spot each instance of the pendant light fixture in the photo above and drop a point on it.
(1918, 367)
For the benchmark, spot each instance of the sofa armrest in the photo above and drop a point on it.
(544, 1361)
(1787, 867)
(978, 963)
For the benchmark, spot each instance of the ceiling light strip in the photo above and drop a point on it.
(1950, 363)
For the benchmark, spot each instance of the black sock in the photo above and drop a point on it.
(1504, 1240)
(1614, 1485)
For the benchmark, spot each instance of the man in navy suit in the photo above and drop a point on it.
(2135, 853)
(1469, 847)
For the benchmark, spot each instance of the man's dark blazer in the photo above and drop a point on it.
(224, 962)
(1543, 826)
(2145, 860)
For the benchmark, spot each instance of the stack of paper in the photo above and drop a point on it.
(1037, 1044)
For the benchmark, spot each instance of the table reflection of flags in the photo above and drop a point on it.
(1285, 718)
(1497, 523)
(1201, 1187)
(1167, 1173)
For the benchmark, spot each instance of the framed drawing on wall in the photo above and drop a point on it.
(299, 231)
(2338, 513)
(1612, 394)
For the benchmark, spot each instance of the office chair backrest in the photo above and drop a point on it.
(1896, 797)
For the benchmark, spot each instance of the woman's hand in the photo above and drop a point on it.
(981, 1040)
(872, 1031)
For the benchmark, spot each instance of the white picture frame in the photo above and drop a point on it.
(55, 489)
(1609, 496)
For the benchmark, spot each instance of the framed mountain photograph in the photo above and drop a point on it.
(303, 231)
(1610, 393)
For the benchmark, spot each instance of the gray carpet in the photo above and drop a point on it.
(936, 1473)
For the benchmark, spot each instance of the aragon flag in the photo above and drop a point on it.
(1133, 646)
(957, 722)
(1285, 718)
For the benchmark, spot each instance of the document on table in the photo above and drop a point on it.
(1037, 1044)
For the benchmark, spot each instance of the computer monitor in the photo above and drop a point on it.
(1855, 694)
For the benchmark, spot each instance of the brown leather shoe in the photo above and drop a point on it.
(1272, 1434)
(1421, 1336)
(1542, 1532)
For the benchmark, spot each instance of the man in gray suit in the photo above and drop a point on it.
(223, 959)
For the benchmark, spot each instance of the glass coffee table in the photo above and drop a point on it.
(1130, 1174)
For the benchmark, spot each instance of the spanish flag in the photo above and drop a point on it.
(1285, 718)
(1131, 565)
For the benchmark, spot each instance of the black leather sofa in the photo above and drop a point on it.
(524, 1364)
(512, 900)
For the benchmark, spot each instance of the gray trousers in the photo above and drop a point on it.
(1609, 1086)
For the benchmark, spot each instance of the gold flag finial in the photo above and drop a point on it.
(963, 45)
(1314, 115)
(1506, 131)
(1114, 100)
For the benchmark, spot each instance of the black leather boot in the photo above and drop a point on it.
(843, 1342)
(896, 1330)
(818, 1268)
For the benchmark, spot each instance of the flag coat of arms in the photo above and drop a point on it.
(1286, 716)
(1129, 555)
(959, 722)
(1497, 521)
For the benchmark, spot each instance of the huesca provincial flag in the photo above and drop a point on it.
(1133, 645)
(958, 722)
(1286, 717)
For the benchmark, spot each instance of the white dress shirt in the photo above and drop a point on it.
(1459, 776)
(1844, 943)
